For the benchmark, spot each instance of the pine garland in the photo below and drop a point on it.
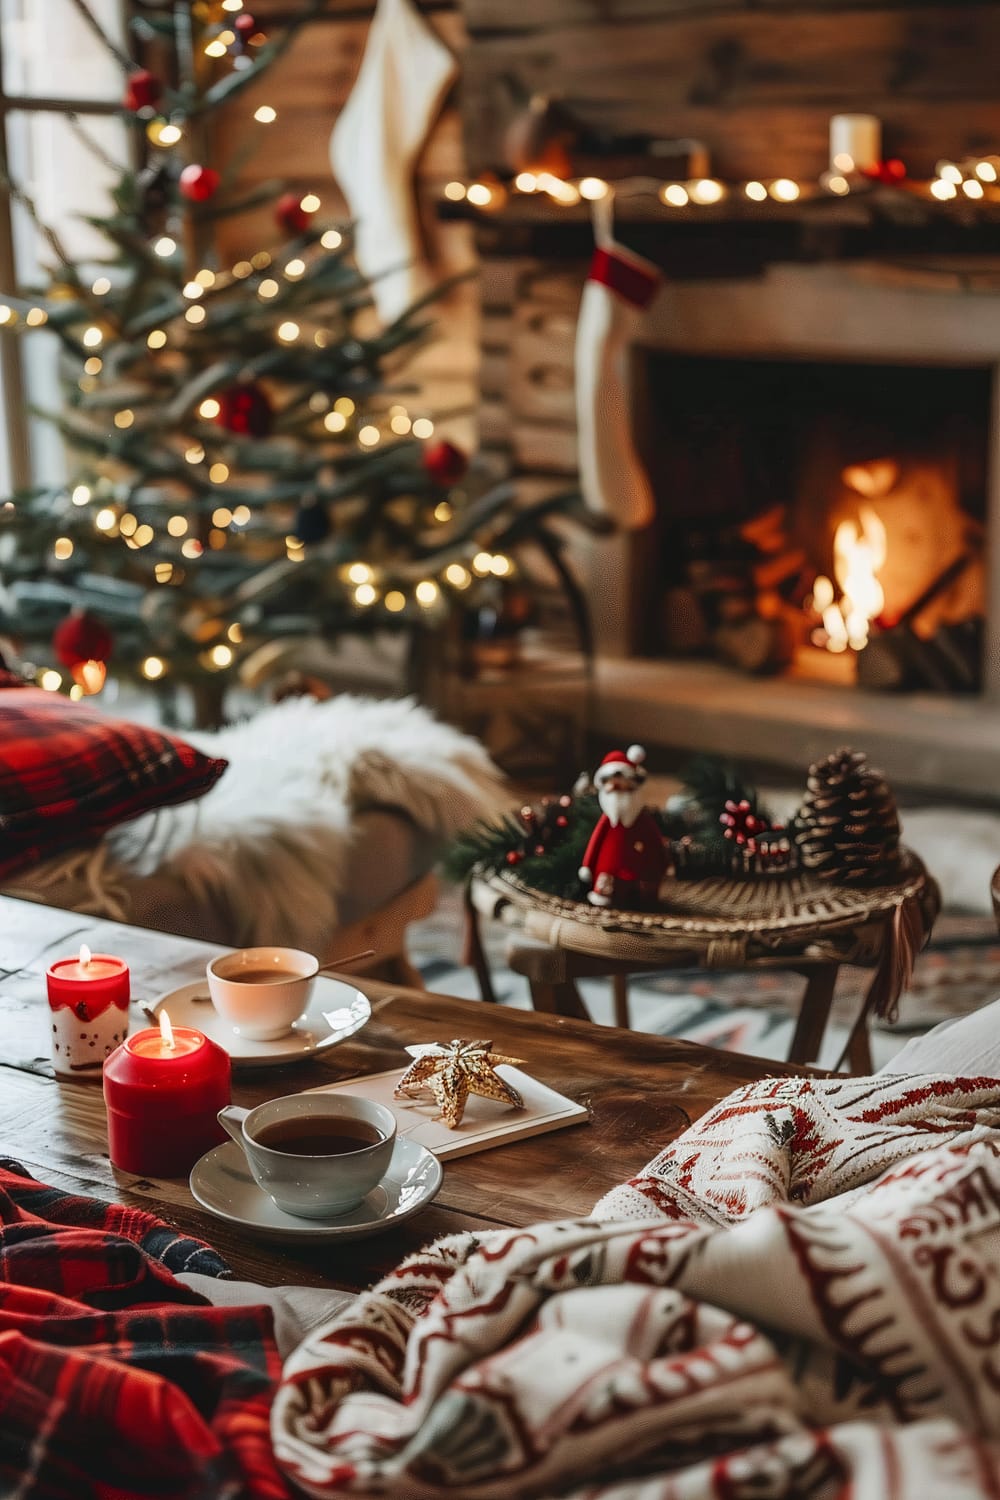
(547, 857)
(489, 845)
(718, 826)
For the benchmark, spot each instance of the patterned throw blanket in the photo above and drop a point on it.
(116, 1380)
(798, 1300)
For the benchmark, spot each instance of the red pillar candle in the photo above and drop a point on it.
(163, 1090)
(88, 1000)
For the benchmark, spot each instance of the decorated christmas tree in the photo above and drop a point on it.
(247, 460)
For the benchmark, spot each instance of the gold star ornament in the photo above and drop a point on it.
(455, 1071)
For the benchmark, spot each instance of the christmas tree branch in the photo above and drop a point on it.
(94, 147)
(65, 265)
(87, 15)
(226, 88)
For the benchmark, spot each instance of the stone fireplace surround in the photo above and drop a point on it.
(858, 311)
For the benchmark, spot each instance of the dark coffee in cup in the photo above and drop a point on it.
(333, 1135)
(262, 976)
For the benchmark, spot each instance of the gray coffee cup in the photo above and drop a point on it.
(284, 1139)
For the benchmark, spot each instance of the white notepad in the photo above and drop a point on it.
(485, 1123)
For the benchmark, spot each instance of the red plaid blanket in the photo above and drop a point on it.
(116, 1380)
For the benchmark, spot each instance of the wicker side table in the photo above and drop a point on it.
(797, 923)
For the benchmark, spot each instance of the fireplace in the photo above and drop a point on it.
(783, 418)
(820, 518)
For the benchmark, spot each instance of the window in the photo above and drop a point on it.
(59, 90)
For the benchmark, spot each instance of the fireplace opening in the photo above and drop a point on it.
(819, 519)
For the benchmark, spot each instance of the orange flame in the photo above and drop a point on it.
(859, 554)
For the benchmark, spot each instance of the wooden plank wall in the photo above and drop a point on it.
(757, 80)
(308, 87)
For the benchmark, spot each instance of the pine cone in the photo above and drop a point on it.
(847, 829)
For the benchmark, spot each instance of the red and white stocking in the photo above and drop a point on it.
(619, 287)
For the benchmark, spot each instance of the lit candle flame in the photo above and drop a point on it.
(166, 1030)
(85, 956)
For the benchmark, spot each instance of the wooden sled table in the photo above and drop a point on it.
(795, 923)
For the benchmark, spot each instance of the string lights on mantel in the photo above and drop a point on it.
(970, 181)
(856, 167)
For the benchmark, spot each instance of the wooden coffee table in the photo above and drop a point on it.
(641, 1091)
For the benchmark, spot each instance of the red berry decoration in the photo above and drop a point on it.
(244, 25)
(741, 824)
(82, 637)
(889, 173)
(513, 856)
(290, 215)
(245, 410)
(198, 184)
(142, 90)
(445, 463)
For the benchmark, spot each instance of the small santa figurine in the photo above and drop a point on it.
(626, 857)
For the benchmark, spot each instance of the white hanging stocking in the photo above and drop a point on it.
(619, 287)
(405, 73)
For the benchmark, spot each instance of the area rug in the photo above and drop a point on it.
(752, 1013)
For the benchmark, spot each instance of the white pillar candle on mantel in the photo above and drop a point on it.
(855, 142)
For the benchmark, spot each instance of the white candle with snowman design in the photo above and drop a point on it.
(88, 1003)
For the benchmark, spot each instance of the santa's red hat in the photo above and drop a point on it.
(618, 761)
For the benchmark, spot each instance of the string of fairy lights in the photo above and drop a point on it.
(971, 180)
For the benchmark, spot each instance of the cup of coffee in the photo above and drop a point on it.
(315, 1155)
(261, 991)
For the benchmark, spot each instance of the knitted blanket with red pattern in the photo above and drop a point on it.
(798, 1300)
(116, 1380)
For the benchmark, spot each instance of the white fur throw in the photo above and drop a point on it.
(273, 839)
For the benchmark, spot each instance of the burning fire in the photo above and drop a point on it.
(858, 555)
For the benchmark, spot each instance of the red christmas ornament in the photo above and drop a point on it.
(142, 90)
(245, 410)
(513, 856)
(82, 637)
(290, 215)
(244, 25)
(890, 173)
(198, 183)
(445, 463)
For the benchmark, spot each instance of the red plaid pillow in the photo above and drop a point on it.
(68, 773)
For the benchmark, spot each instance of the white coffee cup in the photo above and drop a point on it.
(261, 1007)
(314, 1184)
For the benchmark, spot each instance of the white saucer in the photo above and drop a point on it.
(335, 1012)
(221, 1182)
